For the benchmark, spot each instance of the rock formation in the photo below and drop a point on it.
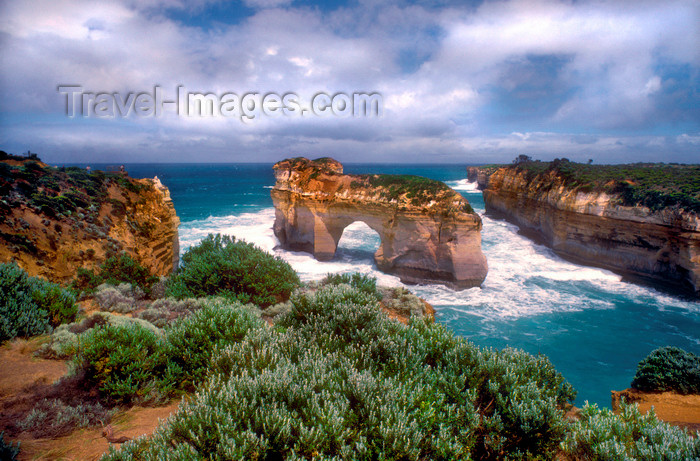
(428, 232)
(53, 221)
(593, 228)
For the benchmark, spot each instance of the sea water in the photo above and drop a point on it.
(593, 326)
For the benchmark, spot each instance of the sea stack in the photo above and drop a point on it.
(429, 233)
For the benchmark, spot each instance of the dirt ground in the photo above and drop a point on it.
(679, 410)
(25, 379)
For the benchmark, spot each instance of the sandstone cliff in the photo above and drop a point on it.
(595, 228)
(428, 232)
(53, 221)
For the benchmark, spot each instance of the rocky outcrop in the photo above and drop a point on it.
(428, 232)
(54, 221)
(676, 409)
(595, 229)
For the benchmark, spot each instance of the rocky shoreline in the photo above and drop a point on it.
(593, 228)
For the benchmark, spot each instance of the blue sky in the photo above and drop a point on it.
(461, 82)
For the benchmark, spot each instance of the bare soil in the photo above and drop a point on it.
(26, 380)
(678, 410)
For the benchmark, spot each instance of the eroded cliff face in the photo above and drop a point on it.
(50, 226)
(593, 229)
(428, 234)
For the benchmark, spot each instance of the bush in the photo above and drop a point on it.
(30, 306)
(192, 341)
(336, 379)
(600, 434)
(8, 451)
(239, 271)
(669, 369)
(124, 363)
(165, 311)
(362, 282)
(115, 271)
(54, 418)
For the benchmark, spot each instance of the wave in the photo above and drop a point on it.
(524, 279)
(463, 185)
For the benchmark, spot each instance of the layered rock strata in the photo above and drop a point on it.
(51, 226)
(428, 232)
(595, 229)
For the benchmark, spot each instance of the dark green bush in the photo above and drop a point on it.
(30, 306)
(124, 363)
(115, 270)
(362, 282)
(8, 451)
(669, 369)
(337, 379)
(191, 342)
(239, 271)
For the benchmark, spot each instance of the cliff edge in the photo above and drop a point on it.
(637, 220)
(55, 220)
(429, 233)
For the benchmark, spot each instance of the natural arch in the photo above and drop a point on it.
(428, 232)
(369, 238)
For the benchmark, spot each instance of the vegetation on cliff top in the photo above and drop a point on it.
(654, 185)
(669, 369)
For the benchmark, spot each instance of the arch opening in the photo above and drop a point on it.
(358, 243)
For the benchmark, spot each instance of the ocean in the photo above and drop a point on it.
(593, 326)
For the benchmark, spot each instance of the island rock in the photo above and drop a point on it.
(429, 233)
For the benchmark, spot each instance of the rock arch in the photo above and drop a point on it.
(425, 237)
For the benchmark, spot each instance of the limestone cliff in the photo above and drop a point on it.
(428, 232)
(55, 220)
(596, 228)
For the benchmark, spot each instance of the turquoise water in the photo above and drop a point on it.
(594, 327)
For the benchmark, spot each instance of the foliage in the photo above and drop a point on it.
(669, 369)
(30, 306)
(239, 271)
(134, 362)
(165, 311)
(416, 189)
(8, 451)
(54, 418)
(191, 342)
(403, 301)
(337, 379)
(122, 362)
(602, 435)
(362, 282)
(654, 185)
(115, 270)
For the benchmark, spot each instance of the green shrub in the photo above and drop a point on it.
(54, 418)
(30, 306)
(239, 271)
(669, 369)
(124, 363)
(362, 282)
(602, 435)
(115, 270)
(191, 342)
(8, 451)
(336, 379)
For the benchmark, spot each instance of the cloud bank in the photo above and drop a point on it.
(465, 83)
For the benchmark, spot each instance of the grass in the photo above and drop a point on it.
(654, 185)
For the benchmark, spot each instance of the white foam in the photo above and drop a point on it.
(463, 185)
(524, 278)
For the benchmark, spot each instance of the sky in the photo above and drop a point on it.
(464, 82)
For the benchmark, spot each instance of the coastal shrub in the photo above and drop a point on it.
(30, 306)
(191, 342)
(54, 418)
(114, 271)
(8, 450)
(601, 435)
(362, 282)
(403, 301)
(123, 362)
(336, 379)
(239, 271)
(669, 369)
(165, 311)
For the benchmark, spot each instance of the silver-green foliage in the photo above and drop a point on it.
(336, 379)
(602, 435)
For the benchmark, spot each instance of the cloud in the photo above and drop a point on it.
(455, 79)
